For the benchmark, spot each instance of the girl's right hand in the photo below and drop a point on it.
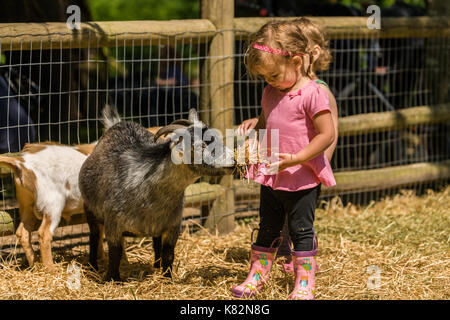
(246, 126)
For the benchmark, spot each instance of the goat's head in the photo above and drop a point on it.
(198, 146)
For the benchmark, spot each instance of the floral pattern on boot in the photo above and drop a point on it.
(261, 264)
(304, 269)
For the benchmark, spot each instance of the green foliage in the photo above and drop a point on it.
(126, 10)
(361, 4)
(114, 10)
(122, 10)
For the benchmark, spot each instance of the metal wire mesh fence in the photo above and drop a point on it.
(53, 89)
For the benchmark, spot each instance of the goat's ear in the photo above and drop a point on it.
(193, 116)
(177, 150)
(175, 141)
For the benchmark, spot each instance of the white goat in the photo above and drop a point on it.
(46, 180)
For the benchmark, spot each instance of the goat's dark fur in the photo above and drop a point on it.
(130, 185)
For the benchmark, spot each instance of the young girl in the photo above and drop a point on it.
(299, 108)
(320, 61)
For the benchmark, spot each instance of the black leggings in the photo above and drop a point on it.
(299, 206)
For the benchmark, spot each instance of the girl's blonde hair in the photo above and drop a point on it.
(316, 36)
(295, 36)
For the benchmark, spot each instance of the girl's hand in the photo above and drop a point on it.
(246, 126)
(286, 160)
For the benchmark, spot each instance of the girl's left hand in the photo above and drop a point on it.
(286, 160)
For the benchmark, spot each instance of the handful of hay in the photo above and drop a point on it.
(247, 153)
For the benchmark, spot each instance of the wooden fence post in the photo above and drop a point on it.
(220, 72)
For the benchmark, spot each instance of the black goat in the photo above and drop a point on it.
(132, 184)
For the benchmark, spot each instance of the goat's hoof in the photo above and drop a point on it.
(94, 266)
(49, 267)
(31, 261)
(167, 273)
(115, 278)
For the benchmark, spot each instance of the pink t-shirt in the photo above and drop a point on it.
(292, 113)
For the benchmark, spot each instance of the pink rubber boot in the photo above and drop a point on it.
(304, 269)
(261, 263)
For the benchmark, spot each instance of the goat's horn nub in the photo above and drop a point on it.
(167, 129)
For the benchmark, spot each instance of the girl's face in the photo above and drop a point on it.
(282, 76)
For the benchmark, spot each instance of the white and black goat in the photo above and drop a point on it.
(133, 183)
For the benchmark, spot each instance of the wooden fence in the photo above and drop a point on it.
(218, 29)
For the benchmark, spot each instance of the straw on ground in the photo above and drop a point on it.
(397, 248)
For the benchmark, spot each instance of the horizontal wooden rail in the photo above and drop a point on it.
(6, 224)
(197, 195)
(393, 120)
(367, 180)
(356, 27)
(56, 35)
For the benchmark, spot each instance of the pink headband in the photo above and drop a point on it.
(275, 51)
